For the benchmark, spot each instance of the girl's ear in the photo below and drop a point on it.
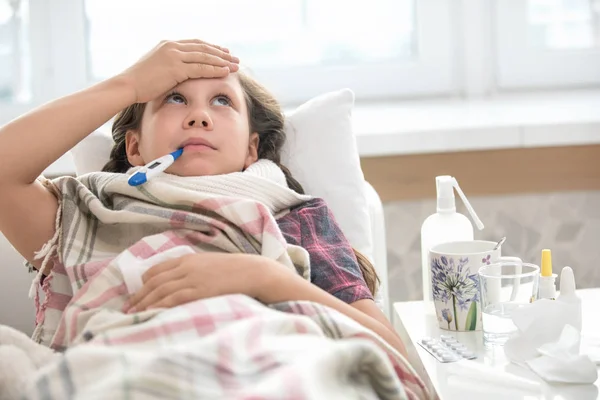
(252, 156)
(132, 148)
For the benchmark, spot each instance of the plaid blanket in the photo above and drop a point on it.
(223, 347)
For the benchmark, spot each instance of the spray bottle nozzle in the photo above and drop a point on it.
(445, 193)
(476, 219)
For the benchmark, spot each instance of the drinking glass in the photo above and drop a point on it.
(505, 286)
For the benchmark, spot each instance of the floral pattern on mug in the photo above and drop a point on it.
(453, 283)
(487, 259)
(447, 316)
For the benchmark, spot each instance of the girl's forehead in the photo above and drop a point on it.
(191, 88)
(231, 81)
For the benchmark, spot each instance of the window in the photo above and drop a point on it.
(564, 25)
(265, 34)
(298, 48)
(382, 49)
(13, 51)
(548, 43)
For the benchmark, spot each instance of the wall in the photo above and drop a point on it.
(568, 223)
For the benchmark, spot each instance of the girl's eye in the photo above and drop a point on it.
(175, 98)
(222, 100)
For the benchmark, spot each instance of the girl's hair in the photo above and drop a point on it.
(265, 117)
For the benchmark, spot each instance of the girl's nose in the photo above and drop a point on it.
(197, 120)
(193, 122)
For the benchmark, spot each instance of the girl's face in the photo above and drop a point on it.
(208, 118)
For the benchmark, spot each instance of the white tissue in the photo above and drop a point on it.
(548, 345)
(561, 362)
(537, 323)
(590, 345)
(133, 268)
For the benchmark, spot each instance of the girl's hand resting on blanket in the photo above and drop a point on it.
(199, 276)
(171, 63)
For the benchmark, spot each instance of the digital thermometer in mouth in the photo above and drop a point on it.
(154, 168)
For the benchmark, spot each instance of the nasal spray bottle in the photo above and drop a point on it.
(444, 226)
(547, 288)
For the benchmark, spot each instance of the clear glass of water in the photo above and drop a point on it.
(505, 286)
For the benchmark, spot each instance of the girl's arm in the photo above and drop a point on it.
(205, 275)
(281, 284)
(29, 144)
(32, 142)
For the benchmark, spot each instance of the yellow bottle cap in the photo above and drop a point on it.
(546, 263)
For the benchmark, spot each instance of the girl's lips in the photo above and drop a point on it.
(197, 144)
(197, 147)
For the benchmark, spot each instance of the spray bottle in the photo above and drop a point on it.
(444, 226)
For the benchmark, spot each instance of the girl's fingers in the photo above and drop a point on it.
(159, 269)
(177, 298)
(148, 295)
(155, 277)
(194, 71)
(198, 41)
(197, 57)
(204, 48)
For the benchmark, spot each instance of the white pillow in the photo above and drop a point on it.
(320, 151)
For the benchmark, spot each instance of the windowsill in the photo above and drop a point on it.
(505, 122)
(436, 126)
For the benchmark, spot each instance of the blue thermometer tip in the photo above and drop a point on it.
(141, 177)
(137, 179)
(177, 153)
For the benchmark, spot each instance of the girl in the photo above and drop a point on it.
(224, 124)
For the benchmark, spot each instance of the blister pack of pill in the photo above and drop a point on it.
(446, 349)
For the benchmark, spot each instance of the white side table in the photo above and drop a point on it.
(416, 319)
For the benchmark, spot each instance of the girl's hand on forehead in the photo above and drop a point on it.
(173, 62)
(200, 276)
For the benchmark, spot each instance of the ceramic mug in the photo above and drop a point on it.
(455, 281)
